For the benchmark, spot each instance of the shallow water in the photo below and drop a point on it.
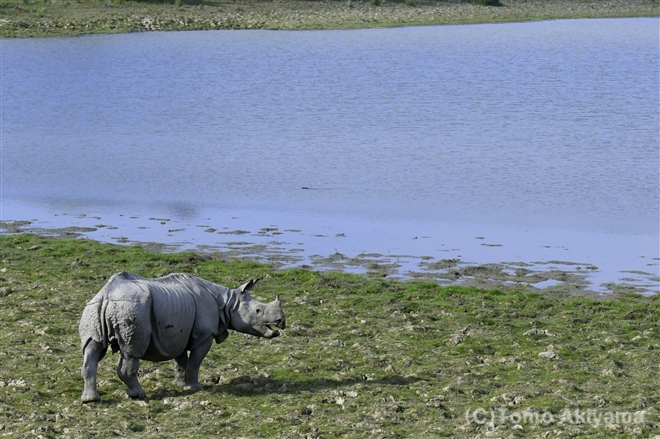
(540, 138)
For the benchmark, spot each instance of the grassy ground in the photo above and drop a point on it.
(37, 18)
(361, 357)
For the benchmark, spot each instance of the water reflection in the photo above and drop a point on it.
(181, 210)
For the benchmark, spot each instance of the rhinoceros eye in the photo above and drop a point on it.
(258, 311)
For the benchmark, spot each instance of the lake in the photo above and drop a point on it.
(528, 146)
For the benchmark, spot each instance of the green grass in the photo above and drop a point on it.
(43, 18)
(361, 357)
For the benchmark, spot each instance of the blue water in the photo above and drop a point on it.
(544, 134)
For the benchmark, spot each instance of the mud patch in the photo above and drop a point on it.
(370, 264)
(516, 275)
(441, 264)
(11, 227)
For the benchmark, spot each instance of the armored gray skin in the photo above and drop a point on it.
(164, 319)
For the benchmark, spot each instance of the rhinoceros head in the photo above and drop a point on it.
(250, 316)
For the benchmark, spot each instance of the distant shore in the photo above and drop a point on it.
(29, 18)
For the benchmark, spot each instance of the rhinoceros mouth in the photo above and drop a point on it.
(270, 333)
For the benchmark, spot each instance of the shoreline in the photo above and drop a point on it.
(23, 18)
(469, 260)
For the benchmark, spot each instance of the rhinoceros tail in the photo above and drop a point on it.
(92, 323)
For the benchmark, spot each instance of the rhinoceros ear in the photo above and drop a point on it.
(247, 286)
(277, 300)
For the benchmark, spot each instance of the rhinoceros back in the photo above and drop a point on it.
(155, 319)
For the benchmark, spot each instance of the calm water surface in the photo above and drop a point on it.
(532, 136)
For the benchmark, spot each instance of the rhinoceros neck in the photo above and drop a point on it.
(230, 304)
(225, 297)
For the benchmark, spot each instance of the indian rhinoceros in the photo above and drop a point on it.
(164, 319)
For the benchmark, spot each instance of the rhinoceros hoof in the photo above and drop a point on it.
(94, 397)
(136, 393)
(193, 387)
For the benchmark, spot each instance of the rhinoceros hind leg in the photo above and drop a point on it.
(127, 369)
(194, 361)
(92, 354)
(179, 364)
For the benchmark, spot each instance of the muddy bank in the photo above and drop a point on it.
(23, 18)
(283, 248)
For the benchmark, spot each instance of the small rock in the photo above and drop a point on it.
(17, 383)
(537, 331)
(549, 354)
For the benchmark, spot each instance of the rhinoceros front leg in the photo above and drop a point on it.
(91, 356)
(186, 368)
(127, 369)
